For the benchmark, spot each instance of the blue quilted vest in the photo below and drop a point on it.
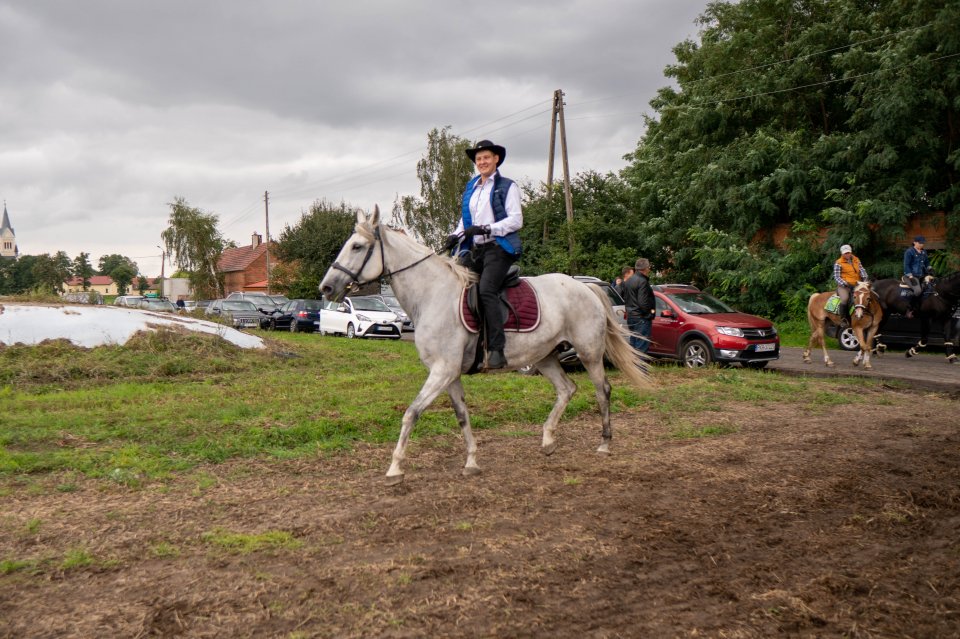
(498, 197)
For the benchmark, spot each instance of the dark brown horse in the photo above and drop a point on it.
(865, 320)
(936, 308)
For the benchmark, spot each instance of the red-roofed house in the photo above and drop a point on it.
(245, 268)
(102, 284)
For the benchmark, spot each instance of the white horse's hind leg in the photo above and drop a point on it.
(455, 390)
(436, 382)
(551, 369)
(602, 387)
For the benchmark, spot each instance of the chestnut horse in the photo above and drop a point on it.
(864, 321)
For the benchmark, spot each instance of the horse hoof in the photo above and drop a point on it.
(868, 367)
(604, 448)
(471, 471)
(393, 480)
(857, 364)
(951, 359)
(830, 364)
(548, 449)
(807, 361)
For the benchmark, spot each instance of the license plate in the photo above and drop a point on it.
(762, 348)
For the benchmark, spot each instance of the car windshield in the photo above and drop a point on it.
(279, 299)
(699, 303)
(369, 304)
(239, 305)
(390, 301)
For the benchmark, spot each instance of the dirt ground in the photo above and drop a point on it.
(838, 522)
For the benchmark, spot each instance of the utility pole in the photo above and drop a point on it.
(556, 116)
(163, 261)
(266, 212)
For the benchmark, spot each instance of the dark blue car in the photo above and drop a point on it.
(295, 316)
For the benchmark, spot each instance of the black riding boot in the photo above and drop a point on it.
(844, 313)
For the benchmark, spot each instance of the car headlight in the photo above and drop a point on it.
(730, 330)
(362, 318)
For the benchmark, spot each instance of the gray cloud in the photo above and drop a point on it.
(111, 109)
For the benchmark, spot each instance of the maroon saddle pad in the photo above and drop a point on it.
(523, 312)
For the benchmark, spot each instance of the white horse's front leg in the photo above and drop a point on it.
(551, 369)
(437, 380)
(455, 390)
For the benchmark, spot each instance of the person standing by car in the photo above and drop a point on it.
(916, 266)
(640, 305)
(847, 271)
(625, 274)
(490, 221)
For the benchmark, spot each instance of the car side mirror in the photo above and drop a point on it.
(666, 313)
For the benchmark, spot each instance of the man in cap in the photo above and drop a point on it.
(916, 266)
(490, 221)
(847, 271)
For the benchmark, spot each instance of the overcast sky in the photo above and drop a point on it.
(111, 109)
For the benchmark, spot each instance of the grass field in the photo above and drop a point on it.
(165, 403)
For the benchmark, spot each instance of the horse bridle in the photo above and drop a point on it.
(355, 276)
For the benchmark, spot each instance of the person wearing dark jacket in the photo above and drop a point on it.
(640, 305)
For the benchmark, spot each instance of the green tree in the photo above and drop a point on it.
(442, 172)
(50, 272)
(107, 263)
(307, 249)
(142, 284)
(834, 114)
(83, 270)
(122, 276)
(196, 244)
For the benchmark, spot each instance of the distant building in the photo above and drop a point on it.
(8, 239)
(245, 268)
(102, 284)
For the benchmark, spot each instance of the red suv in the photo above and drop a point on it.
(697, 329)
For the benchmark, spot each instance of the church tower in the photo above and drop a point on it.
(8, 239)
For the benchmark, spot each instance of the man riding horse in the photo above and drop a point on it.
(847, 271)
(916, 267)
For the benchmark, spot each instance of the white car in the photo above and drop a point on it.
(359, 317)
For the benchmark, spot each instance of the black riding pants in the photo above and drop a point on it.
(491, 262)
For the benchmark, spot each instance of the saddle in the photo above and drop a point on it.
(518, 303)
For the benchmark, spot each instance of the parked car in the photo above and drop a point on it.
(261, 301)
(130, 301)
(394, 305)
(295, 316)
(189, 305)
(359, 317)
(155, 304)
(697, 329)
(898, 330)
(240, 313)
(568, 356)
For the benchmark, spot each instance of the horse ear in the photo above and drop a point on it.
(375, 216)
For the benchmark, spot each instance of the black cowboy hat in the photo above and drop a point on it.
(487, 145)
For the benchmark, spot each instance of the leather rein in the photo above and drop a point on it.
(355, 276)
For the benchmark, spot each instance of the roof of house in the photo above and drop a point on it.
(238, 259)
(95, 280)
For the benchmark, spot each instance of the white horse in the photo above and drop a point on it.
(429, 287)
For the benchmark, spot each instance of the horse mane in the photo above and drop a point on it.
(465, 276)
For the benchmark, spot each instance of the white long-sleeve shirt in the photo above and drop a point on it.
(481, 211)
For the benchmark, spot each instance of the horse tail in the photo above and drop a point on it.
(630, 362)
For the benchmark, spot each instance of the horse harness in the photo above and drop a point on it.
(355, 276)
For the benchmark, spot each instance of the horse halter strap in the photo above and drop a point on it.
(355, 276)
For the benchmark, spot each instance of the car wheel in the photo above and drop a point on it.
(273, 325)
(351, 331)
(294, 326)
(696, 354)
(848, 340)
(756, 365)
